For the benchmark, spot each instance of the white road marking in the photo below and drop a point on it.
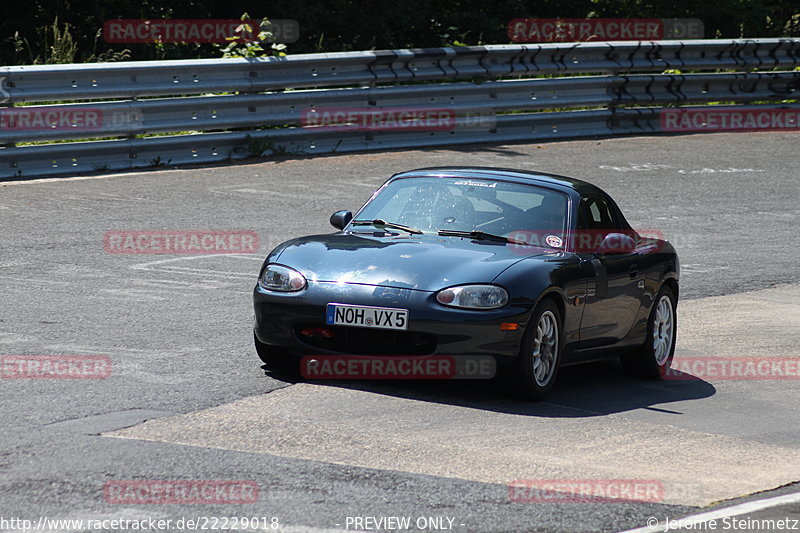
(773, 214)
(362, 184)
(700, 269)
(637, 167)
(203, 272)
(165, 265)
(58, 180)
(271, 188)
(11, 337)
(32, 281)
(139, 173)
(727, 512)
(647, 167)
(130, 353)
(140, 295)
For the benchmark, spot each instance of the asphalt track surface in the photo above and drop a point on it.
(188, 400)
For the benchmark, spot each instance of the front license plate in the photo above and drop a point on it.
(366, 317)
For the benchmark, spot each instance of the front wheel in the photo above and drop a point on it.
(271, 356)
(653, 358)
(537, 364)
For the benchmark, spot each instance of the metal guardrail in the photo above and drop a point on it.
(234, 108)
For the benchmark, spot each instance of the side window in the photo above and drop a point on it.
(595, 214)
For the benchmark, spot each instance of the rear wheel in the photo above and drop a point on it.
(537, 364)
(653, 358)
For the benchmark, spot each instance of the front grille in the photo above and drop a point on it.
(365, 341)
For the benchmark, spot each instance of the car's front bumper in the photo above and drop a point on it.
(433, 329)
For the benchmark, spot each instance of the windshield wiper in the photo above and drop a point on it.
(479, 235)
(381, 222)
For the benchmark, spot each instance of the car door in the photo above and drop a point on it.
(614, 292)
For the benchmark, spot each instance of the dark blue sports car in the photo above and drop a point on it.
(535, 270)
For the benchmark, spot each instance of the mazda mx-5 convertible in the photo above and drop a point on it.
(534, 270)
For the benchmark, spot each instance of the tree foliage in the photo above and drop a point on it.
(337, 25)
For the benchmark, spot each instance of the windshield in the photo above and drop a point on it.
(460, 204)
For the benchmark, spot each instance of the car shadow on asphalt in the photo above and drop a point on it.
(594, 389)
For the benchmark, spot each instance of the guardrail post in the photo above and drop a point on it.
(5, 97)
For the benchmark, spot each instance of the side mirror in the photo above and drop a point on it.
(616, 243)
(341, 218)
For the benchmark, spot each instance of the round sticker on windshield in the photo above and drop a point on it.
(554, 241)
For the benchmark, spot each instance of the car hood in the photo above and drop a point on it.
(419, 262)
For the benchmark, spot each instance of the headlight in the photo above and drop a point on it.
(281, 278)
(473, 296)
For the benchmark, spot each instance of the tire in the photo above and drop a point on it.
(272, 356)
(536, 366)
(654, 357)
